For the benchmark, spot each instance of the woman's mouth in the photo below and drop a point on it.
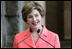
(35, 23)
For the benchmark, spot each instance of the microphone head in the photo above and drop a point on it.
(31, 30)
(38, 30)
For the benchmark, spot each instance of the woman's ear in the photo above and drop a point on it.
(27, 23)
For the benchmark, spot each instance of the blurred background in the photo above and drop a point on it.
(57, 19)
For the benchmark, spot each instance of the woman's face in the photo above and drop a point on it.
(34, 19)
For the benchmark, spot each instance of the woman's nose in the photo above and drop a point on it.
(34, 18)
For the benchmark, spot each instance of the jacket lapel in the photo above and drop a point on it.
(43, 35)
(29, 40)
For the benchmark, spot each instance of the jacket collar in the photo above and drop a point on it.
(39, 42)
(29, 40)
(43, 35)
(44, 31)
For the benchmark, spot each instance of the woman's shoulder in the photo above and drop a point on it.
(49, 32)
(52, 33)
(22, 33)
(19, 34)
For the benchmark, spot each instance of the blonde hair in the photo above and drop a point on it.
(28, 7)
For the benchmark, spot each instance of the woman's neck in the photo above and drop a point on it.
(35, 29)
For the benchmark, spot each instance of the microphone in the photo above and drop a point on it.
(24, 38)
(43, 39)
(31, 30)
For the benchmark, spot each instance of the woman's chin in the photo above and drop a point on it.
(35, 27)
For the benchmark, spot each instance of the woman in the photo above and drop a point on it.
(38, 36)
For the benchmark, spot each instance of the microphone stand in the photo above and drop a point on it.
(43, 39)
(24, 38)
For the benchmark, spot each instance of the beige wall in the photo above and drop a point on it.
(67, 19)
(43, 3)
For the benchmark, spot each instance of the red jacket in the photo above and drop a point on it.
(47, 35)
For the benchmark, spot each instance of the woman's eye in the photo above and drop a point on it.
(36, 15)
(30, 16)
